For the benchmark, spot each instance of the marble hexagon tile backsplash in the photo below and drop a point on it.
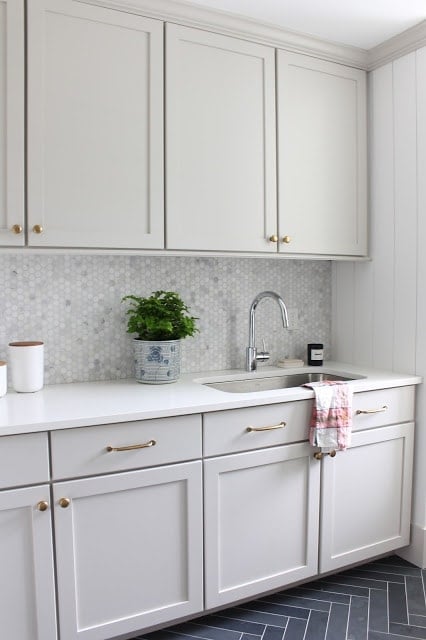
(73, 303)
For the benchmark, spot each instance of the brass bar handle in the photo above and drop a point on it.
(132, 447)
(319, 455)
(368, 411)
(271, 428)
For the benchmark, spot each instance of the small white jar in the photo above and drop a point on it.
(27, 363)
(3, 378)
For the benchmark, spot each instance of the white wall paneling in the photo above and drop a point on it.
(420, 470)
(382, 215)
(388, 295)
(404, 97)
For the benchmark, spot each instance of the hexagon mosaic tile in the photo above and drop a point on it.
(73, 303)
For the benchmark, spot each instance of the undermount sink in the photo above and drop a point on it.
(269, 383)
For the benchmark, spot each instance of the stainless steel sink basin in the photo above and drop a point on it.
(285, 381)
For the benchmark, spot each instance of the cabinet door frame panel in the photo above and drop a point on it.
(217, 595)
(14, 133)
(43, 585)
(180, 233)
(330, 559)
(121, 233)
(326, 241)
(66, 549)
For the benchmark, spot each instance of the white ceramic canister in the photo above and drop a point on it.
(3, 378)
(27, 363)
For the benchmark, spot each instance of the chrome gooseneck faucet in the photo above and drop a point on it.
(252, 356)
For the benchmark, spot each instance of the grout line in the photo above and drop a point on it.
(423, 587)
(347, 620)
(387, 604)
(328, 622)
(406, 598)
(368, 611)
(307, 625)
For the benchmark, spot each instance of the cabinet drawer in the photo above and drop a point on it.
(85, 451)
(228, 431)
(24, 459)
(382, 407)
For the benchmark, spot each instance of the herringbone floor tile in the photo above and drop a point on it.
(381, 600)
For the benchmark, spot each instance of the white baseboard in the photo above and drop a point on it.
(416, 551)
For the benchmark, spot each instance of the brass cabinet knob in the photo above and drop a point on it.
(42, 505)
(318, 455)
(64, 502)
(273, 238)
(37, 228)
(17, 228)
(287, 239)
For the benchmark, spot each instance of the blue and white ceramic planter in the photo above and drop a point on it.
(157, 362)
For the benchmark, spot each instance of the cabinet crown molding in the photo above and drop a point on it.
(189, 14)
(400, 45)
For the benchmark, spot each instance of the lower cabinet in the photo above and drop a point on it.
(129, 550)
(261, 521)
(27, 602)
(366, 497)
(277, 514)
(137, 544)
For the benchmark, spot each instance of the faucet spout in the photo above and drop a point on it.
(252, 357)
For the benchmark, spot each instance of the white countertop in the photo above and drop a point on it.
(80, 404)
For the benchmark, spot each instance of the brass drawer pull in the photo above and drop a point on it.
(319, 455)
(131, 447)
(368, 411)
(272, 428)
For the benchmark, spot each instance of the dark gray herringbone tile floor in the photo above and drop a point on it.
(381, 600)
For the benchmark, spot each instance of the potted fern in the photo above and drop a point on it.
(160, 322)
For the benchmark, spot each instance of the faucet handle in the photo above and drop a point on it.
(263, 356)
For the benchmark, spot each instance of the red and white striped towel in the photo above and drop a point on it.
(331, 421)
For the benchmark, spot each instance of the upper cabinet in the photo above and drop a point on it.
(12, 126)
(95, 138)
(95, 127)
(220, 142)
(322, 157)
(220, 149)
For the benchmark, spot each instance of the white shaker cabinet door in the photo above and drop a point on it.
(129, 550)
(12, 61)
(27, 602)
(366, 497)
(220, 142)
(261, 521)
(95, 127)
(322, 157)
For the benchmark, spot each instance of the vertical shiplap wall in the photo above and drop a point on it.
(379, 307)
